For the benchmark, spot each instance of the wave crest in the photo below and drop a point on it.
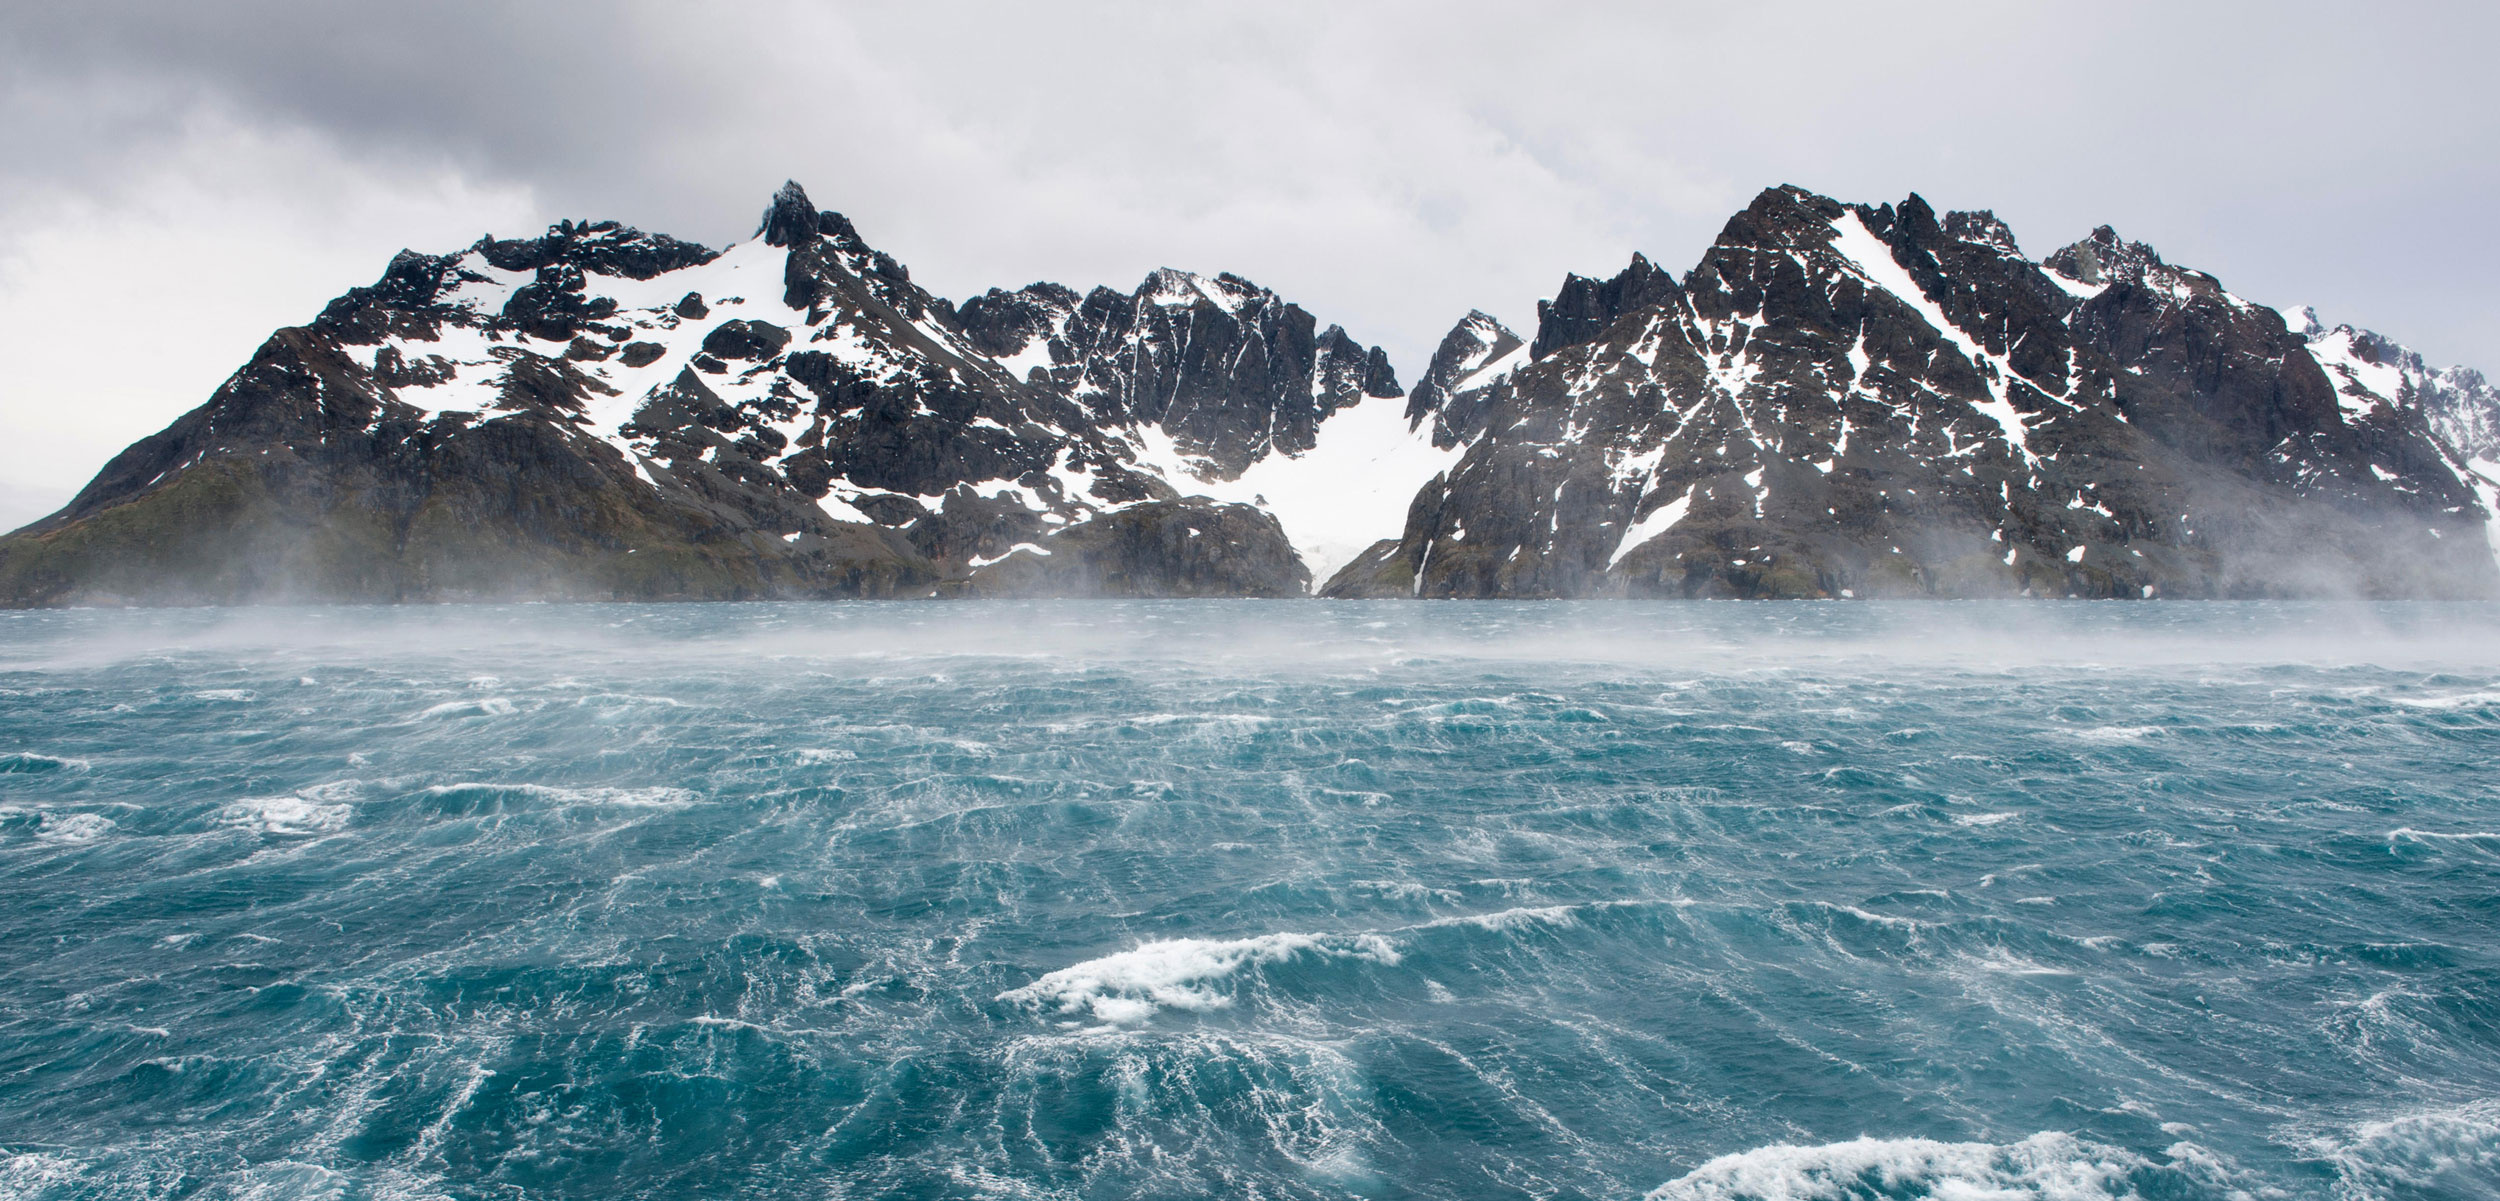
(2047, 1167)
(1181, 973)
(284, 815)
(74, 828)
(30, 763)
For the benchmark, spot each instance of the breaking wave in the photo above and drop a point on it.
(1181, 973)
(2044, 1167)
(285, 815)
(30, 763)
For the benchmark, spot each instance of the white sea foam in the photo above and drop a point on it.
(1879, 919)
(621, 798)
(74, 827)
(1240, 720)
(1982, 819)
(492, 706)
(1407, 890)
(229, 695)
(2459, 700)
(2437, 1152)
(811, 757)
(37, 1174)
(2048, 1167)
(28, 762)
(2408, 832)
(1518, 918)
(1180, 973)
(2114, 734)
(285, 815)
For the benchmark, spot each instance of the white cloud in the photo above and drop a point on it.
(124, 305)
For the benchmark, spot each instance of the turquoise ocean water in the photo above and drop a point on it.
(1257, 900)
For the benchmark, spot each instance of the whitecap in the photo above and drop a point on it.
(2408, 832)
(1242, 721)
(2426, 1152)
(2114, 734)
(30, 763)
(231, 695)
(2459, 700)
(2048, 1166)
(1879, 919)
(284, 815)
(492, 706)
(630, 798)
(74, 827)
(1407, 890)
(38, 1174)
(621, 798)
(1506, 920)
(812, 757)
(1982, 819)
(1180, 973)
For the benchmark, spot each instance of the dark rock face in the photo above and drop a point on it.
(745, 340)
(1851, 401)
(2369, 370)
(1836, 401)
(305, 482)
(1230, 370)
(1458, 381)
(1166, 548)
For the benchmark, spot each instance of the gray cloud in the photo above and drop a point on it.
(1389, 165)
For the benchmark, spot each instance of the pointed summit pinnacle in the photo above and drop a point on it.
(791, 219)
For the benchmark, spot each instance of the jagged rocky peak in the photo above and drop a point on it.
(1583, 309)
(1025, 328)
(1227, 291)
(1472, 357)
(2105, 258)
(1228, 369)
(1981, 228)
(1884, 400)
(2372, 372)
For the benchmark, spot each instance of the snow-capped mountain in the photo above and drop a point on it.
(1837, 401)
(604, 412)
(1852, 401)
(2370, 372)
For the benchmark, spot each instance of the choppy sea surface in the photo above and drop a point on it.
(1256, 900)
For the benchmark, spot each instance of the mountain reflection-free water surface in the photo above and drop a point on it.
(1257, 899)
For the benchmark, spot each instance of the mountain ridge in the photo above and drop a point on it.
(600, 412)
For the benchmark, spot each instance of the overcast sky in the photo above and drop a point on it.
(176, 180)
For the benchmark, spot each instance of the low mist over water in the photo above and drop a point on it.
(1251, 899)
